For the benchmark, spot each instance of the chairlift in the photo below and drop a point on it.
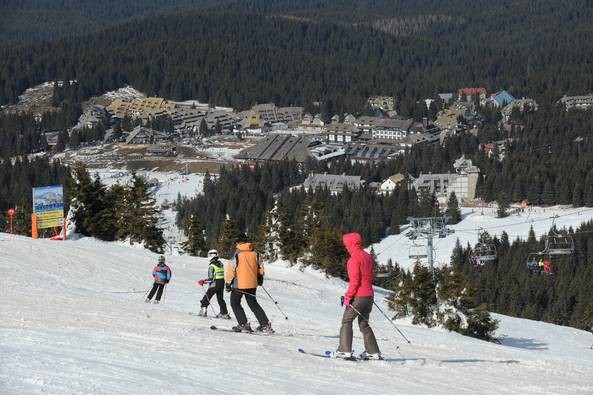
(557, 244)
(485, 250)
(417, 251)
(537, 262)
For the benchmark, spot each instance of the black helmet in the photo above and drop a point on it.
(242, 238)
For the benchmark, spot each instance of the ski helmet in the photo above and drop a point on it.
(213, 252)
(242, 238)
(161, 259)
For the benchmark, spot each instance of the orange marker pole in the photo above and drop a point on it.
(34, 231)
(11, 213)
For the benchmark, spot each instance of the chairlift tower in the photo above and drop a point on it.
(428, 228)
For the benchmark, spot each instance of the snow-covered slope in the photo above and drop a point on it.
(73, 321)
(517, 225)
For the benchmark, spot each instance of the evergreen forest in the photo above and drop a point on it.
(238, 59)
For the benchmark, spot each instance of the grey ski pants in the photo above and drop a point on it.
(363, 305)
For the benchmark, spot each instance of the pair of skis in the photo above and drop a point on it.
(330, 354)
(215, 328)
(327, 354)
(207, 317)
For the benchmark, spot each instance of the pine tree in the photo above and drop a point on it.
(225, 244)
(428, 206)
(503, 205)
(87, 200)
(290, 239)
(60, 144)
(74, 140)
(195, 245)
(143, 218)
(204, 132)
(423, 303)
(325, 250)
(266, 238)
(453, 209)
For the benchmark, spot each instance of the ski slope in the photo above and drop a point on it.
(517, 225)
(74, 322)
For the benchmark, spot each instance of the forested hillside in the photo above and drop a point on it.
(238, 59)
(34, 20)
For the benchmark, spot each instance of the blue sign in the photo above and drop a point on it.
(48, 198)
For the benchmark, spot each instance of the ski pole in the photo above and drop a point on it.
(388, 319)
(209, 301)
(368, 322)
(276, 303)
(164, 292)
(255, 296)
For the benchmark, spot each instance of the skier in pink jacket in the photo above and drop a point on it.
(358, 300)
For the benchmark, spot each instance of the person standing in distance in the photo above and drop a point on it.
(162, 275)
(244, 273)
(358, 300)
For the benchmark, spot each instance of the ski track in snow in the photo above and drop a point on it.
(74, 322)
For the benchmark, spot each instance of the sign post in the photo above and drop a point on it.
(11, 213)
(48, 207)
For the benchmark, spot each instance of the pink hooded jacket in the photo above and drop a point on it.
(360, 267)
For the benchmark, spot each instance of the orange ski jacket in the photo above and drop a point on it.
(244, 267)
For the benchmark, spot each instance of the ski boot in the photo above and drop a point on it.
(203, 312)
(243, 328)
(367, 357)
(147, 300)
(223, 316)
(344, 355)
(156, 302)
(265, 328)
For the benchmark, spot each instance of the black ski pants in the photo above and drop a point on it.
(237, 295)
(158, 288)
(217, 289)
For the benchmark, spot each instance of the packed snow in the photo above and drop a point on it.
(517, 225)
(74, 321)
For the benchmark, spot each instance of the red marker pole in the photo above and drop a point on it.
(11, 213)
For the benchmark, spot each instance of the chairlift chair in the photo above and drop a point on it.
(485, 252)
(557, 244)
(417, 252)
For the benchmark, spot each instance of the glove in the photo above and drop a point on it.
(346, 301)
(201, 281)
(228, 287)
(166, 281)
